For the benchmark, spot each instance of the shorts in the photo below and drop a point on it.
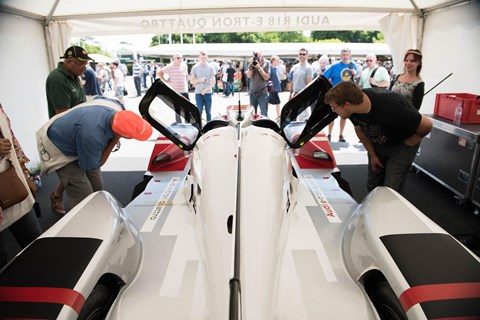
(273, 98)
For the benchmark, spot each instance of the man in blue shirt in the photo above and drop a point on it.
(90, 85)
(343, 70)
(78, 142)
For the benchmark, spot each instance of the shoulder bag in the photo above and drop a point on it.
(12, 189)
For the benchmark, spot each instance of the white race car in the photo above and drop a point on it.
(243, 219)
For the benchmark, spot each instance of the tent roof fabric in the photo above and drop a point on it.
(68, 9)
(108, 17)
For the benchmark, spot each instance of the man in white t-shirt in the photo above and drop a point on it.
(202, 76)
(374, 76)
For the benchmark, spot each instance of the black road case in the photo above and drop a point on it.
(449, 154)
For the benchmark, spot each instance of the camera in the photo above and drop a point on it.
(255, 59)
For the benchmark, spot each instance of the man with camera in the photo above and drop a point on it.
(259, 73)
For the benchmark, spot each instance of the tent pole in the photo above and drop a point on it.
(46, 28)
(51, 62)
(52, 11)
(421, 32)
(417, 9)
(421, 18)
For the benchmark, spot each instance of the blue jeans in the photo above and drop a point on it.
(225, 88)
(138, 85)
(204, 100)
(397, 160)
(262, 101)
(230, 87)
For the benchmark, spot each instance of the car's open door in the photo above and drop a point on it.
(306, 114)
(171, 114)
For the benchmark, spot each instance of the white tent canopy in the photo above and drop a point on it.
(100, 58)
(107, 17)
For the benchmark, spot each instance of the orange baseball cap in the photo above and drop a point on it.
(130, 125)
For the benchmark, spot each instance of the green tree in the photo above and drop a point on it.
(233, 37)
(253, 37)
(91, 46)
(176, 38)
(348, 36)
(272, 37)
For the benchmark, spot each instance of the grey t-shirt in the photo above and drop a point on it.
(258, 85)
(300, 75)
(200, 71)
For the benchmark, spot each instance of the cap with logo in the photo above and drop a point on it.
(76, 52)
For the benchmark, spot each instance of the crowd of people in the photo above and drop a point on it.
(88, 117)
(383, 108)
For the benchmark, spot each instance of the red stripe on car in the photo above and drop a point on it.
(64, 296)
(434, 292)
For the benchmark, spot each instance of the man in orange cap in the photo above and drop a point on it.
(77, 142)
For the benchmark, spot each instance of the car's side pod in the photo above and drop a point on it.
(408, 263)
(75, 269)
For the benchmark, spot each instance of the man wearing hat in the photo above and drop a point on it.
(64, 91)
(63, 85)
(77, 142)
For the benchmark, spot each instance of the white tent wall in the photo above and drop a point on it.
(451, 44)
(22, 86)
(400, 32)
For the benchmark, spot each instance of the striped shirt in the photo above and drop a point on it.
(177, 76)
(137, 70)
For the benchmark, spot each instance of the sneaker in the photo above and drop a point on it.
(341, 139)
(329, 137)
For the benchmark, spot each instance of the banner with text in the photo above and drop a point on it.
(227, 22)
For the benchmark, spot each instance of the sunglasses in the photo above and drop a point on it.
(78, 63)
(369, 60)
(302, 54)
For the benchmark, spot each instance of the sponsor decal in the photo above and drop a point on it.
(152, 218)
(322, 200)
